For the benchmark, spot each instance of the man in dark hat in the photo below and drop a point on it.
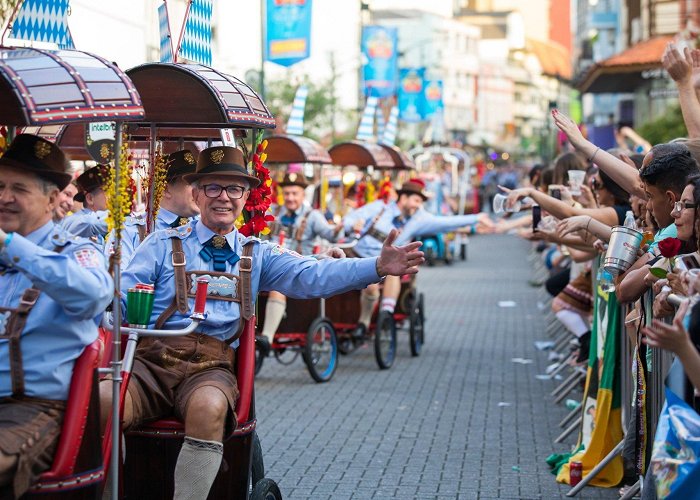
(91, 221)
(302, 225)
(374, 221)
(177, 207)
(52, 285)
(192, 377)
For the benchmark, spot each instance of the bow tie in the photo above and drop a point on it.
(218, 250)
(288, 219)
(180, 221)
(399, 222)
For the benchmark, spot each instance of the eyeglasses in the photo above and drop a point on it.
(214, 191)
(680, 205)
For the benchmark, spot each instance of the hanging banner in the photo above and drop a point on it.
(166, 43)
(411, 97)
(379, 53)
(287, 31)
(433, 98)
(43, 21)
(99, 140)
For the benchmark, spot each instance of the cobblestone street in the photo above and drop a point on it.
(460, 421)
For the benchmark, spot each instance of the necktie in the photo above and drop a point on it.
(218, 250)
(289, 218)
(399, 222)
(180, 221)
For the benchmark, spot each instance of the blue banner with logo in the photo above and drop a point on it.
(433, 97)
(379, 52)
(287, 31)
(410, 98)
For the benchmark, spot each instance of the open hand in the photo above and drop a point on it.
(331, 253)
(573, 224)
(567, 125)
(673, 337)
(397, 261)
(679, 67)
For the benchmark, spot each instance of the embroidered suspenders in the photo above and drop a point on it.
(223, 286)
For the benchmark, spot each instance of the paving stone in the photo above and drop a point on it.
(431, 423)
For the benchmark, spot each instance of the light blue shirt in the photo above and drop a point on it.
(130, 233)
(670, 231)
(75, 288)
(316, 226)
(88, 224)
(274, 268)
(419, 224)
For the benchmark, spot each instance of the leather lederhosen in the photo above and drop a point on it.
(186, 285)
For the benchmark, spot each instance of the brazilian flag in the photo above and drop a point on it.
(601, 429)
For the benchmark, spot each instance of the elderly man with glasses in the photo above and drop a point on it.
(192, 377)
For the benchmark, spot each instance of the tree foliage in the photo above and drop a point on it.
(6, 9)
(665, 128)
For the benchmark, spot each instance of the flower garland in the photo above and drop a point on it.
(120, 191)
(361, 194)
(156, 187)
(255, 217)
(3, 140)
(385, 188)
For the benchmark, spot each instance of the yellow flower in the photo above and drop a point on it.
(265, 231)
(264, 145)
(263, 157)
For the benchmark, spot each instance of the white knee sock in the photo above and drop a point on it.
(196, 468)
(367, 303)
(573, 322)
(388, 304)
(274, 312)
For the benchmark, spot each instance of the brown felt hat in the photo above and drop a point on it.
(91, 179)
(293, 179)
(38, 156)
(413, 186)
(222, 160)
(180, 163)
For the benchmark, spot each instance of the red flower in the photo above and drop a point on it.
(669, 247)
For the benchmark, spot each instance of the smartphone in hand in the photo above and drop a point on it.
(536, 217)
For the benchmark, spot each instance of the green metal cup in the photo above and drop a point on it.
(139, 306)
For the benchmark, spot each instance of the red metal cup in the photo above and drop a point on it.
(575, 473)
(316, 250)
(200, 298)
(282, 236)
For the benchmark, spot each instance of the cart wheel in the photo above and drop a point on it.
(321, 350)
(266, 489)
(416, 326)
(385, 340)
(286, 355)
(257, 465)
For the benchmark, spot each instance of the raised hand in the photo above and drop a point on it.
(673, 337)
(679, 67)
(397, 261)
(567, 125)
(695, 64)
(573, 224)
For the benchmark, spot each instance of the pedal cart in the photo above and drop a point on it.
(344, 309)
(305, 329)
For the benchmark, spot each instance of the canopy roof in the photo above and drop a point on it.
(295, 149)
(401, 160)
(195, 97)
(360, 154)
(42, 86)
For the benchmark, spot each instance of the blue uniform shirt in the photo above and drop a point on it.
(75, 287)
(88, 224)
(274, 268)
(130, 233)
(316, 225)
(419, 224)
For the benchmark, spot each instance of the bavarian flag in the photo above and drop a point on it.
(601, 429)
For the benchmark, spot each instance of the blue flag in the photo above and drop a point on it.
(411, 96)
(433, 97)
(379, 45)
(196, 44)
(287, 31)
(43, 21)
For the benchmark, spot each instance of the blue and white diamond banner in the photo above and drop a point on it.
(166, 42)
(295, 125)
(196, 43)
(43, 21)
